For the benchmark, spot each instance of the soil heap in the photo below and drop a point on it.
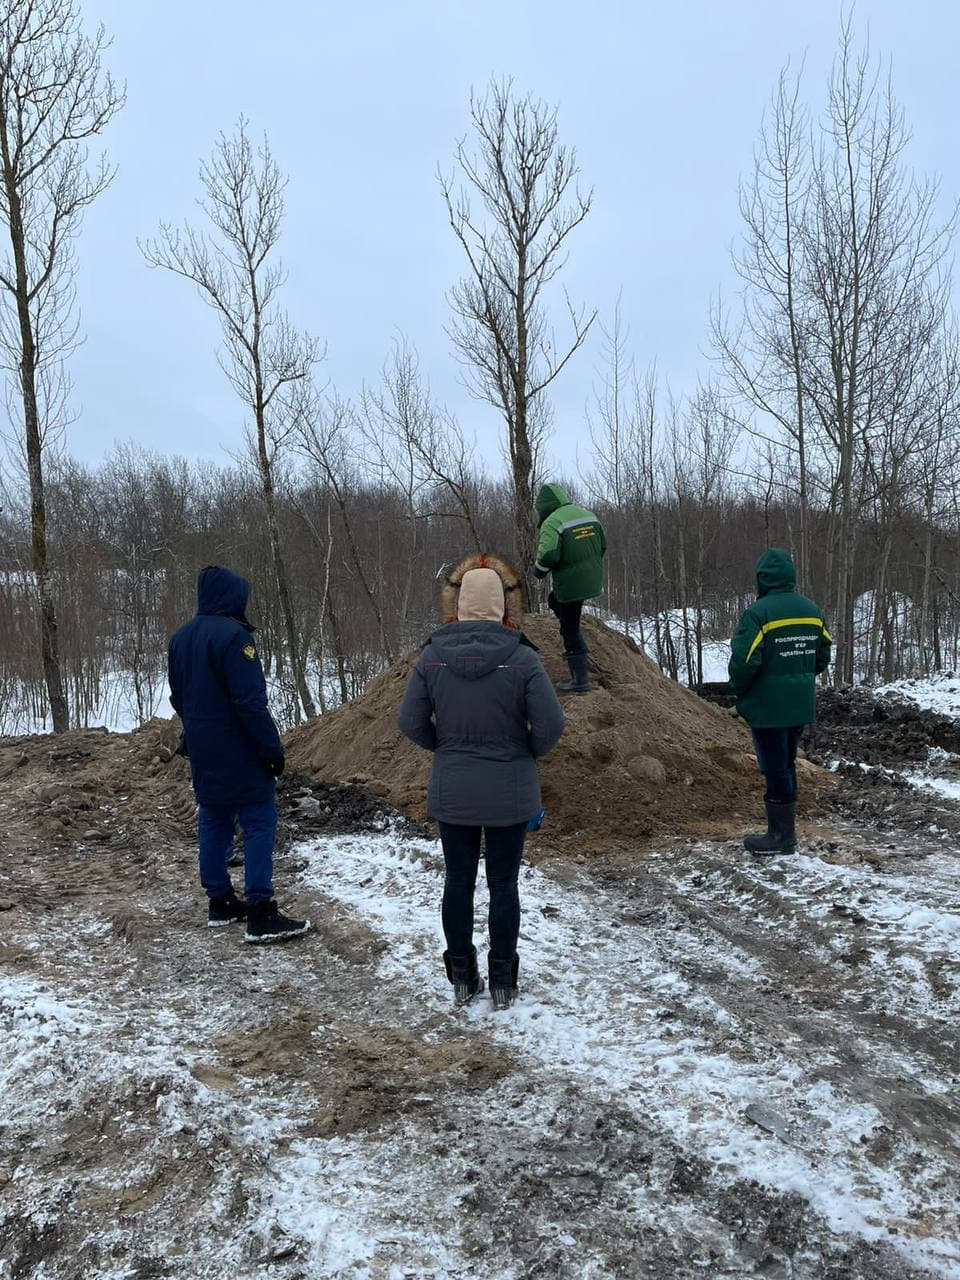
(641, 756)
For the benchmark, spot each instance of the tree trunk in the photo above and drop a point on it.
(280, 572)
(49, 645)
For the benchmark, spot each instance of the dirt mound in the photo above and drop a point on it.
(94, 787)
(641, 756)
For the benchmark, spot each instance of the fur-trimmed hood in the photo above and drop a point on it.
(512, 588)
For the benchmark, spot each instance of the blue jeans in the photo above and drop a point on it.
(215, 826)
(777, 760)
(461, 855)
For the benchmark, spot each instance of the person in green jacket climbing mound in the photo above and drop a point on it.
(780, 646)
(571, 547)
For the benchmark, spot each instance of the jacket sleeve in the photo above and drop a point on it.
(824, 647)
(746, 652)
(173, 679)
(548, 548)
(247, 690)
(415, 717)
(544, 713)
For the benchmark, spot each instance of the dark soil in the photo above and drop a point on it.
(853, 724)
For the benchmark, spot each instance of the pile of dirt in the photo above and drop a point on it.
(94, 787)
(641, 756)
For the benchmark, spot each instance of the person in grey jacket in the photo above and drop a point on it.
(479, 698)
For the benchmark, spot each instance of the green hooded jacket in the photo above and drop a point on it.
(571, 546)
(780, 646)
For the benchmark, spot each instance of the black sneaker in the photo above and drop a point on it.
(226, 910)
(266, 923)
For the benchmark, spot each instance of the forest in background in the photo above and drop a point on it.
(827, 419)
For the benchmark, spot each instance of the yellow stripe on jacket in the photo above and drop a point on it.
(786, 622)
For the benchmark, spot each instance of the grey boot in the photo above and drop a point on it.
(464, 974)
(781, 833)
(579, 681)
(503, 981)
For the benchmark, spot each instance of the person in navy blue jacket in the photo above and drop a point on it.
(218, 689)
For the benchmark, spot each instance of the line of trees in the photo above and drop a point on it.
(367, 525)
(828, 422)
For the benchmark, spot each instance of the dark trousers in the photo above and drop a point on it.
(215, 826)
(569, 616)
(461, 856)
(777, 760)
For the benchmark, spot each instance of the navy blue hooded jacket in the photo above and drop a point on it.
(218, 690)
(481, 701)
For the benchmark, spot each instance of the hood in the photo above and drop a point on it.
(775, 572)
(474, 649)
(512, 587)
(481, 597)
(222, 593)
(550, 497)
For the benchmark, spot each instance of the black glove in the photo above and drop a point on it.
(275, 767)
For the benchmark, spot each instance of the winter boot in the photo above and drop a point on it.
(781, 834)
(265, 923)
(579, 681)
(464, 974)
(503, 981)
(226, 910)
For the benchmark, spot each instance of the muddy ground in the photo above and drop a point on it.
(720, 1066)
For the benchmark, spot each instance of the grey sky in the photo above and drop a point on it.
(362, 100)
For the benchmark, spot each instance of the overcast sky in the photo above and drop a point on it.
(362, 99)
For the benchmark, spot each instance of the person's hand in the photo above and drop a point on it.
(275, 767)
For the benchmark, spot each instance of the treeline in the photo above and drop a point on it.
(363, 556)
(829, 422)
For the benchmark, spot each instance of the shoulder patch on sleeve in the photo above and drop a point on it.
(249, 652)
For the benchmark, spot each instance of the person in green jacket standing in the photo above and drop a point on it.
(571, 547)
(780, 646)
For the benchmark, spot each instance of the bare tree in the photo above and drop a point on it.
(762, 354)
(525, 182)
(265, 357)
(842, 259)
(421, 446)
(872, 248)
(324, 434)
(54, 97)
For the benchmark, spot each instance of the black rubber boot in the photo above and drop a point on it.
(579, 681)
(503, 981)
(464, 973)
(266, 923)
(781, 833)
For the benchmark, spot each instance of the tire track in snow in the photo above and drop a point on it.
(606, 1003)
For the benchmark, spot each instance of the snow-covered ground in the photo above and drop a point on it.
(716, 653)
(939, 692)
(717, 1067)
